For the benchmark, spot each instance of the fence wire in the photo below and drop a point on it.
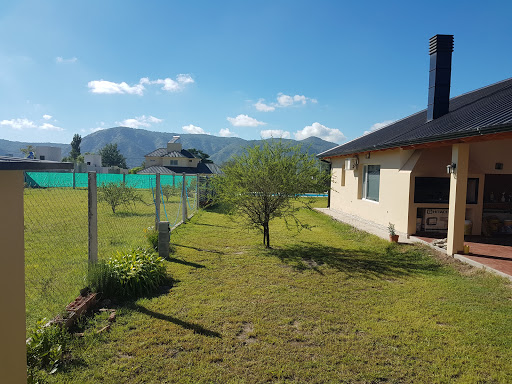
(56, 228)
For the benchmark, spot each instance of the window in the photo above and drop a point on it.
(173, 162)
(371, 181)
(437, 190)
(41, 157)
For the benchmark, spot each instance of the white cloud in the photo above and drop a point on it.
(321, 131)
(18, 124)
(244, 121)
(61, 60)
(275, 133)
(262, 107)
(225, 132)
(283, 101)
(378, 126)
(47, 117)
(194, 130)
(108, 87)
(141, 121)
(50, 127)
(168, 84)
(97, 129)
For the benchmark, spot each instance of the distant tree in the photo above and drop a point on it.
(26, 151)
(262, 183)
(115, 194)
(205, 158)
(168, 191)
(111, 157)
(75, 147)
(134, 170)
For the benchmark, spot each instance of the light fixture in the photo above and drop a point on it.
(451, 168)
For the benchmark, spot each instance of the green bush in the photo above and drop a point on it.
(128, 275)
(152, 237)
(45, 347)
(116, 194)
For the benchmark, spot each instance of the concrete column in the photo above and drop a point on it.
(157, 200)
(93, 217)
(457, 207)
(74, 178)
(13, 355)
(163, 239)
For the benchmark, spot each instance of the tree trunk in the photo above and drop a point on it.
(266, 235)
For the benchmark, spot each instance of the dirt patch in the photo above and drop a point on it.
(246, 335)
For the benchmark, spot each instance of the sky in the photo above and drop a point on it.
(250, 69)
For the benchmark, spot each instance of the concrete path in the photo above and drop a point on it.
(499, 267)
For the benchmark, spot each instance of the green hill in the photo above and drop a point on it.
(135, 143)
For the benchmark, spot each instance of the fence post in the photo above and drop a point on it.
(124, 178)
(163, 239)
(157, 200)
(184, 214)
(74, 179)
(93, 217)
(197, 191)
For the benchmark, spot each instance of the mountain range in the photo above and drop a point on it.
(135, 143)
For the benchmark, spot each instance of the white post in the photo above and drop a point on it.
(157, 200)
(93, 218)
(457, 207)
(184, 214)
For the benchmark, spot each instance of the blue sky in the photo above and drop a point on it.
(331, 69)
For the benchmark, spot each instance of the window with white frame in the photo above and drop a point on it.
(371, 181)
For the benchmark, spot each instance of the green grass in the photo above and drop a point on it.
(56, 245)
(329, 305)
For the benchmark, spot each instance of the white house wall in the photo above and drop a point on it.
(394, 187)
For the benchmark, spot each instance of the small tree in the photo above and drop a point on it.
(117, 194)
(111, 157)
(262, 183)
(168, 191)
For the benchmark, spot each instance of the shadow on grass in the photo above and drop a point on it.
(184, 262)
(391, 261)
(196, 328)
(199, 249)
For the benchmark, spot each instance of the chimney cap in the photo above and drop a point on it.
(440, 43)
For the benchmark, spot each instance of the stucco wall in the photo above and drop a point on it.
(12, 279)
(393, 204)
(166, 161)
(398, 171)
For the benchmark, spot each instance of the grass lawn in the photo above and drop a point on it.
(56, 245)
(329, 305)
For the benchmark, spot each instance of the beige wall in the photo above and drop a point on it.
(13, 366)
(394, 187)
(166, 161)
(399, 168)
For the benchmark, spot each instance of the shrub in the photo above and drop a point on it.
(169, 190)
(131, 274)
(152, 236)
(45, 347)
(116, 194)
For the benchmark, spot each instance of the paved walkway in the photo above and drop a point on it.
(494, 258)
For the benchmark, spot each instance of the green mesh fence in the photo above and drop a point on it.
(56, 229)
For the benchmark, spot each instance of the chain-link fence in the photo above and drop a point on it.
(56, 227)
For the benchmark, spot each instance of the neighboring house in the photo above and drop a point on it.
(92, 163)
(176, 160)
(48, 153)
(448, 167)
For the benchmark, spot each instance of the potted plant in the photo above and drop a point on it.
(393, 237)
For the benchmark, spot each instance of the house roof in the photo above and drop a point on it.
(21, 164)
(202, 168)
(483, 111)
(162, 152)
